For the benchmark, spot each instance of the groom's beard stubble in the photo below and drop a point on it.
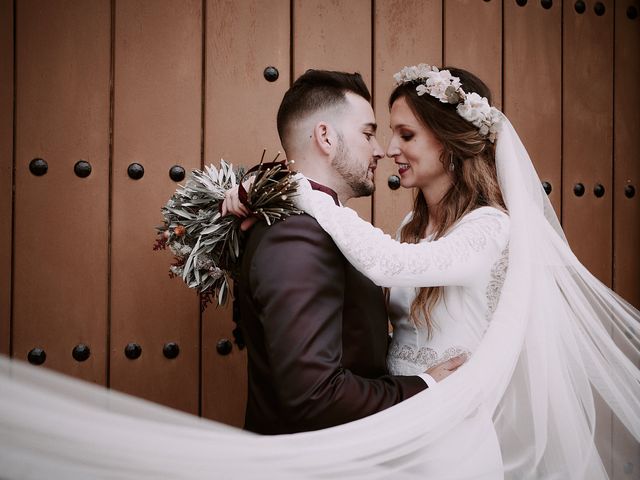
(352, 173)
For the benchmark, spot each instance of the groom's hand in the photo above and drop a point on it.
(444, 369)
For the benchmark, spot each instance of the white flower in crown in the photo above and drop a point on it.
(413, 73)
(474, 109)
(437, 83)
(445, 87)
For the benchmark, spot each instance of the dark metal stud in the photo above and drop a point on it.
(546, 4)
(36, 356)
(580, 6)
(632, 12)
(135, 171)
(598, 190)
(394, 182)
(176, 173)
(578, 189)
(599, 9)
(629, 191)
(171, 350)
(521, 3)
(271, 74)
(38, 167)
(132, 351)
(547, 187)
(224, 347)
(81, 352)
(82, 169)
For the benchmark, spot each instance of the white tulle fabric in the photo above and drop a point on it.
(548, 346)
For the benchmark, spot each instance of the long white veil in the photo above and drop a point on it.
(547, 349)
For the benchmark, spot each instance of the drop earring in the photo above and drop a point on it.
(451, 164)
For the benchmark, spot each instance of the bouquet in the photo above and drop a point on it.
(206, 244)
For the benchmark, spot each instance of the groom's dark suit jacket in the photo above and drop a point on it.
(316, 333)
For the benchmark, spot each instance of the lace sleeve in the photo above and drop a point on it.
(455, 259)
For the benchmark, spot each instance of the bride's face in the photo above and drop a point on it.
(415, 150)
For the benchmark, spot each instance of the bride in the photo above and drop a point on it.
(446, 277)
(481, 267)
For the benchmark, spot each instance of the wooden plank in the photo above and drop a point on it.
(418, 41)
(587, 154)
(334, 35)
(588, 135)
(62, 116)
(473, 40)
(533, 85)
(626, 209)
(6, 169)
(157, 111)
(243, 38)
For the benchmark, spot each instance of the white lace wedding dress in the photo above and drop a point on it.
(470, 262)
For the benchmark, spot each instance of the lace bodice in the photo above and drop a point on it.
(470, 262)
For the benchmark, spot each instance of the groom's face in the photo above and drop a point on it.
(358, 150)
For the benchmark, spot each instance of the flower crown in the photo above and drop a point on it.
(445, 87)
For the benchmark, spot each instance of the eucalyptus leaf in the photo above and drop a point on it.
(211, 240)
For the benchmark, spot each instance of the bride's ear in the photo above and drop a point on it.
(324, 137)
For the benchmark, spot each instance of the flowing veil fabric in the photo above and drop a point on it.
(547, 350)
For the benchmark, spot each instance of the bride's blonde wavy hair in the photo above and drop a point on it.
(475, 181)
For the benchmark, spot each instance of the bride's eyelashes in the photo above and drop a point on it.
(406, 136)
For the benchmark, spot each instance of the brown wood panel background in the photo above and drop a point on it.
(6, 169)
(626, 211)
(473, 40)
(532, 63)
(587, 124)
(61, 220)
(168, 83)
(157, 123)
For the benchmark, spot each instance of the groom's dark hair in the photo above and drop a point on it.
(316, 90)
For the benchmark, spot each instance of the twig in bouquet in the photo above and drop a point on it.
(205, 244)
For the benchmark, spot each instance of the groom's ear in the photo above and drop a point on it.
(324, 136)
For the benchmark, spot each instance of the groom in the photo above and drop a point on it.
(315, 328)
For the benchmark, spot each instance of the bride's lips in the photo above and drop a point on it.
(403, 167)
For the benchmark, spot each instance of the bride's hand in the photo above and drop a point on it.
(232, 205)
(444, 369)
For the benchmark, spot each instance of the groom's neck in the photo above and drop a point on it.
(325, 176)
